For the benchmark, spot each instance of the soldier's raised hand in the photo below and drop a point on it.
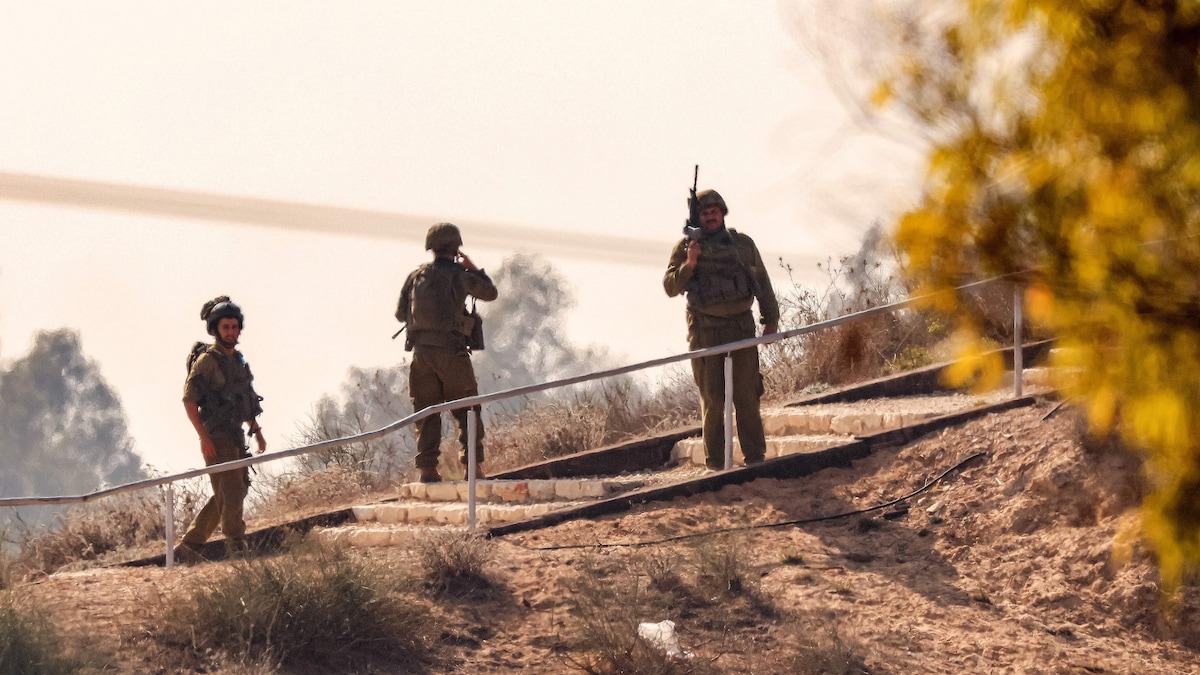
(466, 262)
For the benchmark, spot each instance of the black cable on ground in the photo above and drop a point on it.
(802, 521)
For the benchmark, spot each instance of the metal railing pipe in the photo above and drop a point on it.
(475, 401)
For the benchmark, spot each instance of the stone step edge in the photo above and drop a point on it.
(520, 490)
(787, 423)
(692, 449)
(378, 537)
(452, 514)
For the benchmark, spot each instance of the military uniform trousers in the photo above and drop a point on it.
(438, 375)
(709, 373)
(229, 492)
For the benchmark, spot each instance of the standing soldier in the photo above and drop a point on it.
(722, 274)
(432, 307)
(219, 398)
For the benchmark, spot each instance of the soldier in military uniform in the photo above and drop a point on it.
(722, 274)
(219, 398)
(432, 308)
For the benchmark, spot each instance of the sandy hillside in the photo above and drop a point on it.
(1004, 566)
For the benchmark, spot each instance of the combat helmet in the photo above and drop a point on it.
(220, 307)
(711, 197)
(443, 236)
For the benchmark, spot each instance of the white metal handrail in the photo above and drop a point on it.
(464, 402)
(510, 393)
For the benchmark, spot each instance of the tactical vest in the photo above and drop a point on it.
(721, 283)
(230, 399)
(437, 315)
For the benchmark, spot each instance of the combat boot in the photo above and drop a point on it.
(188, 554)
(430, 475)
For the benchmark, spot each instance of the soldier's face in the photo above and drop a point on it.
(229, 330)
(712, 218)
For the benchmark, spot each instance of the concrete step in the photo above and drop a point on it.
(507, 491)
(795, 421)
(1038, 377)
(691, 450)
(795, 429)
(496, 501)
(455, 513)
(376, 536)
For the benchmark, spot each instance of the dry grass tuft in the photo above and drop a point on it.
(704, 589)
(591, 418)
(455, 563)
(120, 527)
(828, 654)
(312, 605)
(854, 351)
(299, 490)
(720, 565)
(29, 643)
(610, 601)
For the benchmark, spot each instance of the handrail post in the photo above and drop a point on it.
(728, 410)
(472, 466)
(1018, 352)
(169, 526)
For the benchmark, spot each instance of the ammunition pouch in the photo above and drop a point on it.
(471, 326)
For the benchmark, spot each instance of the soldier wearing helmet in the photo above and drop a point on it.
(432, 309)
(722, 275)
(219, 399)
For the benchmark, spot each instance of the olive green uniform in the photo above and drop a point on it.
(721, 289)
(222, 386)
(431, 306)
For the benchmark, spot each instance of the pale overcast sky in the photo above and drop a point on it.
(556, 115)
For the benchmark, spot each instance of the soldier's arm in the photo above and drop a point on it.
(768, 304)
(194, 389)
(478, 284)
(679, 272)
(405, 302)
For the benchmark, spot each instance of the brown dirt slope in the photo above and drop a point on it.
(1005, 566)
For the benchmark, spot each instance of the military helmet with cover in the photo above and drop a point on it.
(709, 198)
(443, 236)
(221, 307)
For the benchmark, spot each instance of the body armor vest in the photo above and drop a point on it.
(231, 399)
(721, 284)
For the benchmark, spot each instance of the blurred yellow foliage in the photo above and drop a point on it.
(1095, 186)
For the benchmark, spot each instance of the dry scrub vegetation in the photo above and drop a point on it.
(1026, 553)
(1007, 565)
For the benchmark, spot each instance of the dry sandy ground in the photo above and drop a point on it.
(1004, 566)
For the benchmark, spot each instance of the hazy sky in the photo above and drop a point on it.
(559, 115)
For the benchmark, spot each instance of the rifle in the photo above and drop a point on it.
(692, 229)
(397, 333)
